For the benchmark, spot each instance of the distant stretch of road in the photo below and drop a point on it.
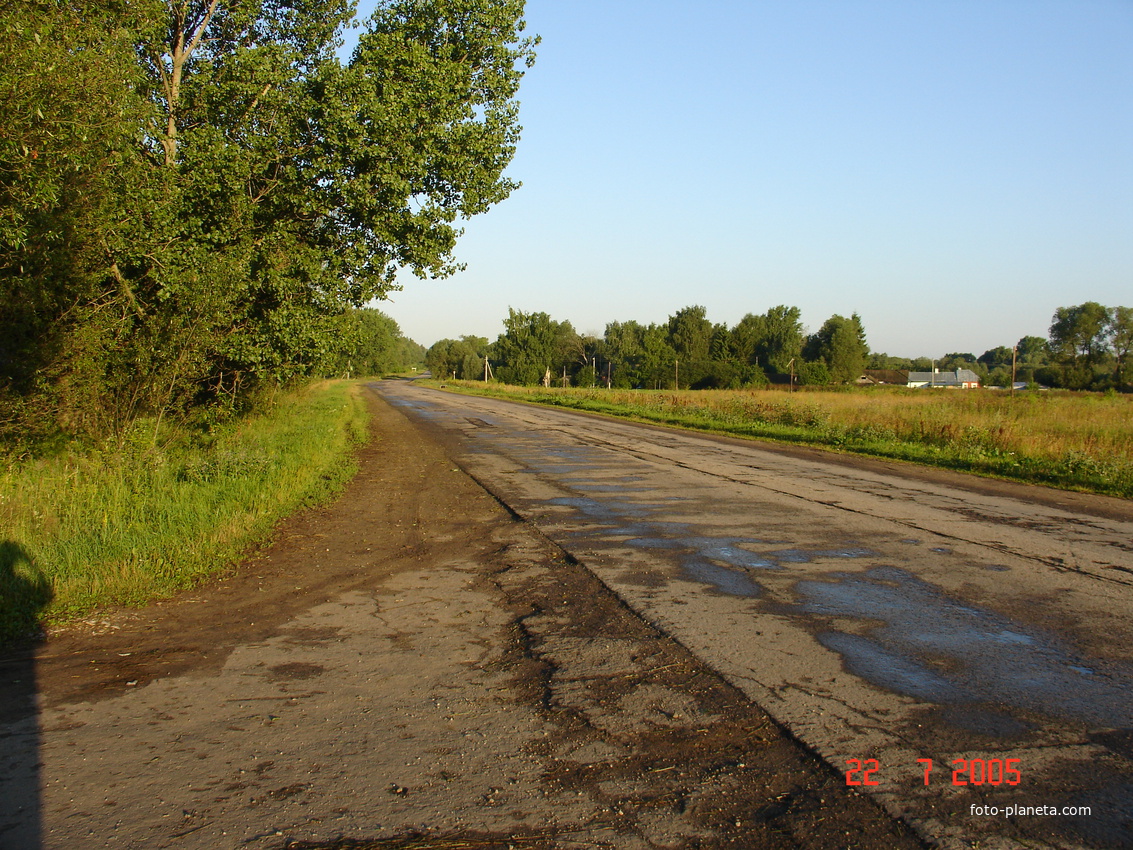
(962, 649)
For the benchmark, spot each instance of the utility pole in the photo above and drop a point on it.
(1014, 353)
(676, 374)
(791, 366)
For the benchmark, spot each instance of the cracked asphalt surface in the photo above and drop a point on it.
(411, 666)
(879, 611)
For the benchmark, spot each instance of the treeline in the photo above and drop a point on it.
(1088, 348)
(377, 348)
(687, 351)
(196, 195)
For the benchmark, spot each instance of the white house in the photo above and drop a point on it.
(964, 379)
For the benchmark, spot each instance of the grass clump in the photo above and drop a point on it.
(152, 514)
(1081, 441)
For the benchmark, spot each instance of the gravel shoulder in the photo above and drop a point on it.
(411, 666)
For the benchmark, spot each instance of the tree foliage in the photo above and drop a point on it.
(782, 340)
(687, 350)
(1089, 347)
(1079, 339)
(376, 346)
(460, 358)
(840, 345)
(1121, 339)
(531, 345)
(195, 194)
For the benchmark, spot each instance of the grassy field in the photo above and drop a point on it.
(133, 522)
(1070, 440)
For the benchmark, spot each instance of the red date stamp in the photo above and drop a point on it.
(965, 771)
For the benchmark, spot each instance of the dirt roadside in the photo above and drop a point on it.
(410, 666)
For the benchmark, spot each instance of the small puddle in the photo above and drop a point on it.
(727, 581)
(610, 512)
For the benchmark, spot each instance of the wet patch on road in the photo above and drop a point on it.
(933, 647)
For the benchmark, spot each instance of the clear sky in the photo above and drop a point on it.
(952, 170)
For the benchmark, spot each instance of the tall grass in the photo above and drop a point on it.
(1071, 440)
(148, 517)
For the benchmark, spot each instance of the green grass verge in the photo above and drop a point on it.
(84, 531)
(971, 439)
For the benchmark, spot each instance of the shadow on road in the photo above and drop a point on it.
(24, 592)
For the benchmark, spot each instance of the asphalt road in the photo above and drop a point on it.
(406, 666)
(886, 615)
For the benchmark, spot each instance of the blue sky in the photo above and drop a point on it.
(953, 171)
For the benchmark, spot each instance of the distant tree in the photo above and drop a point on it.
(585, 376)
(721, 375)
(1121, 341)
(473, 351)
(462, 357)
(840, 344)
(996, 357)
(1079, 339)
(1000, 376)
(1031, 354)
(880, 360)
(1032, 350)
(574, 351)
(814, 373)
(624, 350)
(747, 337)
(531, 344)
(658, 358)
(957, 360)
(377, 345)
(782, 338)
(753, 376)
(720, 346)
(690, 334)
(410, 354)
(690, 340)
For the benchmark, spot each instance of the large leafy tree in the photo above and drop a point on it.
(69, 172)
(234, 189)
